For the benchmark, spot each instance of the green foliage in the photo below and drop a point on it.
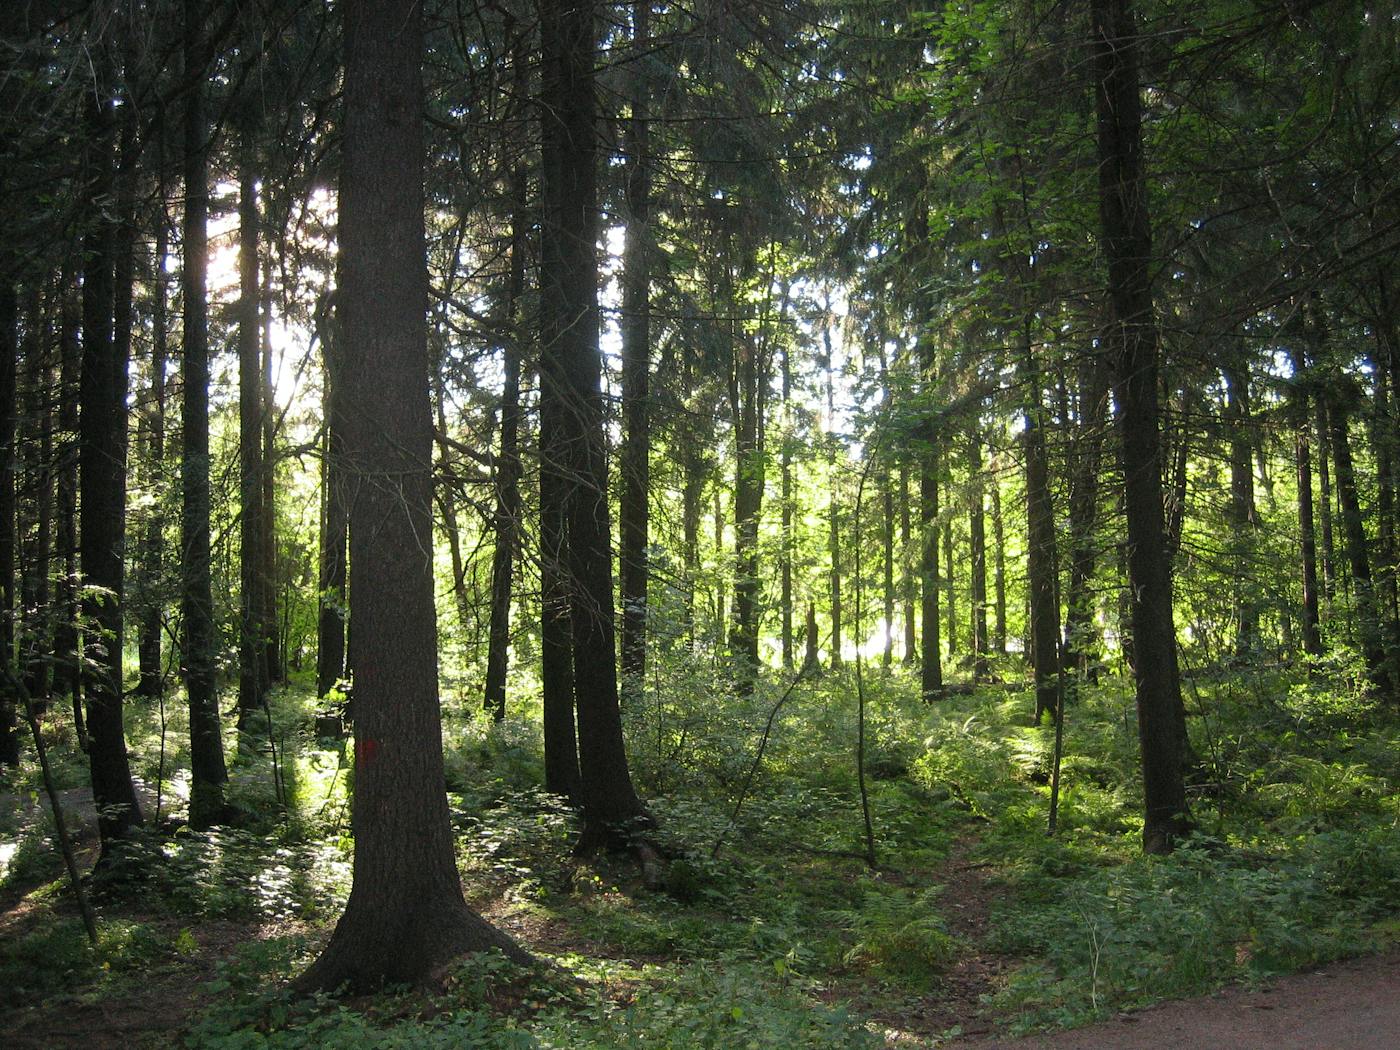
(900, 935)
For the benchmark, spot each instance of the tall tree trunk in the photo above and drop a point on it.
(909, 580)
(786, 544)
(692, 508)
(571, 402)
(833, 540)
(977, 543)
(406, 917)
(1324, 493)
(36, 641)
(1368, 612)
(1243, 518)
(635, 507)
(930, 656)
(1302, 453)
(208, 773)
(153, 541)
(507, 512)
(1081, 639)
(950, 585)
(1041, 570)
(748, 500)
(9, 389)
(66, 681)
(999, 568)
(102, 479)
(252, 655)
(273, 670)
(335, 501)
(1132, 337)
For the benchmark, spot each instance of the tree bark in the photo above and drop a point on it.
(977, 543)
(909, 580)
(1132, 338)
(635, 506)
(9, 382)
(571, 402)
(1302, 454)
(406, 917)
(335, 521)
(252, 654)
(153, 539)
(833, 540)
(208, 773)
(1243, 517)
(1081, 638)
(102, 481)
(1041, 570)
(785, 539)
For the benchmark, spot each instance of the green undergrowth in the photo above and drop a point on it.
(769, 919)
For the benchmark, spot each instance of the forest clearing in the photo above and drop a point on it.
(827, 524)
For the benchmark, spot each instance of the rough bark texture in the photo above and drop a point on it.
(406, 917)
(102, 481)
(1081, 640)
(571, 400)
(208, 773)
(152, 541)
(1132, 338)
(1042, 577)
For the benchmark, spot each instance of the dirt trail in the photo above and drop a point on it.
(1352, 1005)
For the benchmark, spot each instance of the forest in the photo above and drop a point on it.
(569, 523)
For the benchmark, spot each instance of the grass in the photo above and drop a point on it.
(760, 943)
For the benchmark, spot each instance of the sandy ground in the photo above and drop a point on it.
(1352, 1005)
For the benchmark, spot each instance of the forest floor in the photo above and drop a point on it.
(975, 925)
(1348, 1005)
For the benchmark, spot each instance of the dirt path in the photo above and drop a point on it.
(1352, 1005)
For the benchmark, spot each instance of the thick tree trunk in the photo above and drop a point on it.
(208, 773)
(102, 479)
(571, 402)
(635, 506)
(1132, 337)
(406, 916)
(252, 661)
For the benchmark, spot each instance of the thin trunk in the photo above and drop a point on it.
(335, 520)
(65, 639)
(999, 569)
(152, 542)
(950, 584)
(977, 543)
(692, 499)
(1298, 399)
(785, 539)
(1041, 570)
(909, 580)
(930, 657)
(748, 500)
(273, 669)
(36, 643)
(887, 520)
(1081, 636)
(507, 513)
(1324, 483)
(9, 383)
(833, 542)
(252, 656)
(1368, 612)
(444, 493)
(1133, 338)
(208, 773)
(1243, 518)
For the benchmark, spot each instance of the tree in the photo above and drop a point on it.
(208, 772)
(406, 916)
(1133, 342)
